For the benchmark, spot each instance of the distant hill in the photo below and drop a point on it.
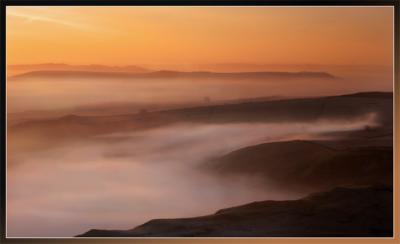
(169, 75)
(341, 212)
(24, 68)
(287, 110)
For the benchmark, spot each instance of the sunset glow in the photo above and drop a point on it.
(199, 121)
(184, 37)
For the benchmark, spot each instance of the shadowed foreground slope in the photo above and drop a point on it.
(356, 212)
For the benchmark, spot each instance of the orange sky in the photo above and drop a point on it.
(184, 36)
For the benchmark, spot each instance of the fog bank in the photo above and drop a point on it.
(141, 176)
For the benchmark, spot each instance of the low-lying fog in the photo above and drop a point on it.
(63, 93)
(118, 181)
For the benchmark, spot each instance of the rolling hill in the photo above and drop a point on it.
(309, 165)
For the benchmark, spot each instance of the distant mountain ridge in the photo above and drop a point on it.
(167, 74)
(25, 68)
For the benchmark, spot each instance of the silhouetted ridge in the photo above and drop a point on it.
(166, 74)
(341, 212)
(70, 67)
(370, 95)
(308, 165)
